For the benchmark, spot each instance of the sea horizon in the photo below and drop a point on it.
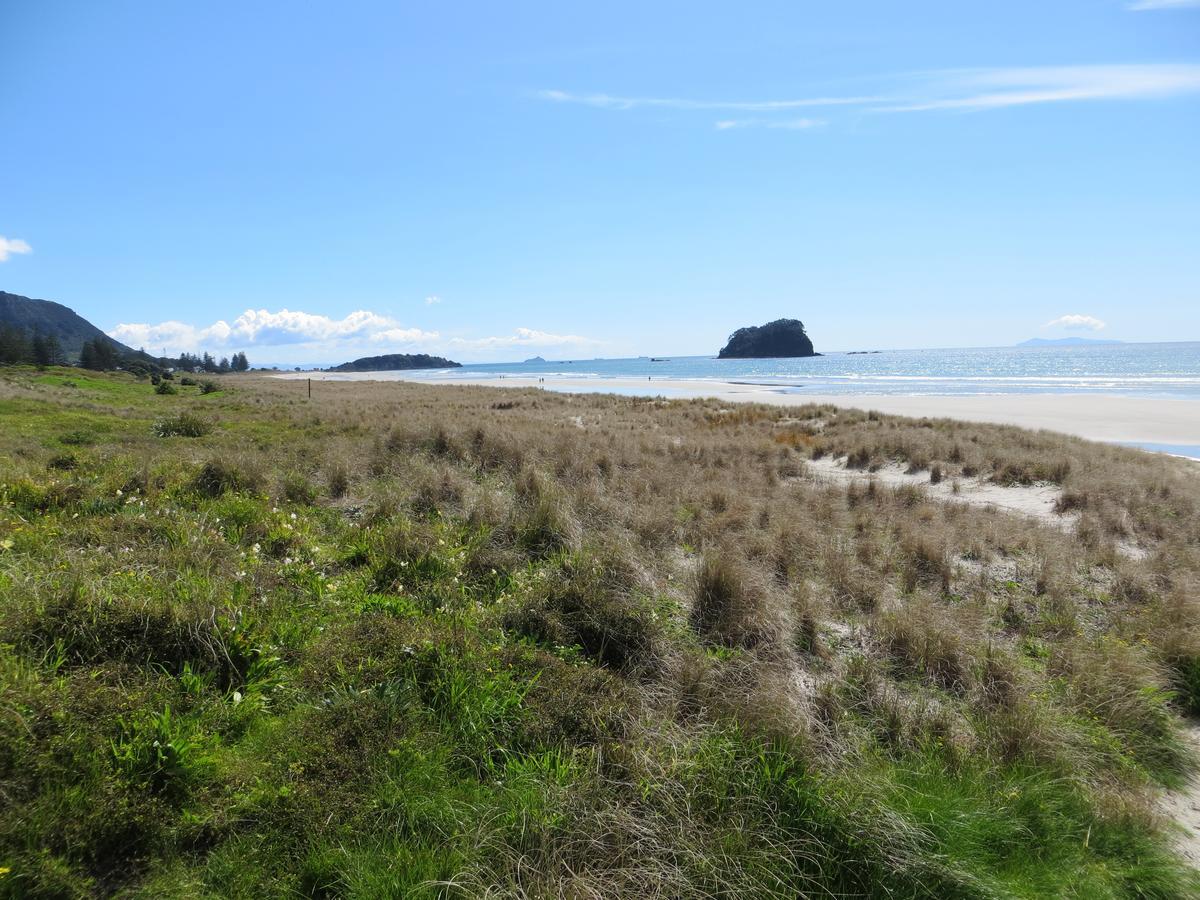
(1166, 370)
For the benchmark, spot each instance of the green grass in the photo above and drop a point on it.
(218, 679)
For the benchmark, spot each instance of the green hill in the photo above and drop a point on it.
(394, 362)
(50, 318)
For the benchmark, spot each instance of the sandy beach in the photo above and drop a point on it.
(1094, 416)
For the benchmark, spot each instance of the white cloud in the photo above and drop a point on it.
(260, 327)
(985, 89)
(432, 301)
(606, 101)
(1144, 5)
(526, 337)
(970, 90)
(14, 245)
(1076, 322)
(404, 336)
(788, 124)
(309, 338)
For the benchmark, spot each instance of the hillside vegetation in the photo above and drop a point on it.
(393, 362)
(69, 330)
(403, 640)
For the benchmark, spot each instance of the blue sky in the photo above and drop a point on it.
(312, 181)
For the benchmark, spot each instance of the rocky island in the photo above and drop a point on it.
(393, 362)
(783, 337)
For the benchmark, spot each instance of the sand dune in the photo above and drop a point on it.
(1094, 416)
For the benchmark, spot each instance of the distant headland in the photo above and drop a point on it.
(393, 362)
(781, 338)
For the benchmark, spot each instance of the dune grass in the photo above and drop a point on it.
(412, 641)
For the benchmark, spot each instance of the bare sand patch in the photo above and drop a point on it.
(1038, 500)
(1183, 806)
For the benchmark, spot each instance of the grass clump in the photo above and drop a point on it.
(217, 477)
(183, 425)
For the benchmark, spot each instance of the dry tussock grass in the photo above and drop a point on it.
(931, 582)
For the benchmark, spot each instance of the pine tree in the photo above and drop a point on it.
(87, 356)
(108, 354)
(15, 348)
(99, 355)
(54, 351)
(46, 350)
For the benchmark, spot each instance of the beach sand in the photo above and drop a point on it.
(1116, 419)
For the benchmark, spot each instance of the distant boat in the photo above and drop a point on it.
(657, 359)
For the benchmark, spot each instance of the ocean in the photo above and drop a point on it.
(1165, 370)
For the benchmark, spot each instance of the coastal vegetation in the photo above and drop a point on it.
(394, 362)
(781, 338)
(44, 333)
(402, 640)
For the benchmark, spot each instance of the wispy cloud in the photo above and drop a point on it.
(607, 101)
(788, 124)
(433, 300)
(9, 246)
(967, 90)
(526, 337)
(1144, 5)
(986, 89)
(1076, 322)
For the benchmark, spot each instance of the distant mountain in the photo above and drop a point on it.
(535, 359)
(781, 338)
(1065, 342)
(394, 362)
(50, 318)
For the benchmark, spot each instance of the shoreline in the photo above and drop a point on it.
(1168, 423)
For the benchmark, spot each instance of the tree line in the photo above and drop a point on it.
(205, 363)
(21, 347)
